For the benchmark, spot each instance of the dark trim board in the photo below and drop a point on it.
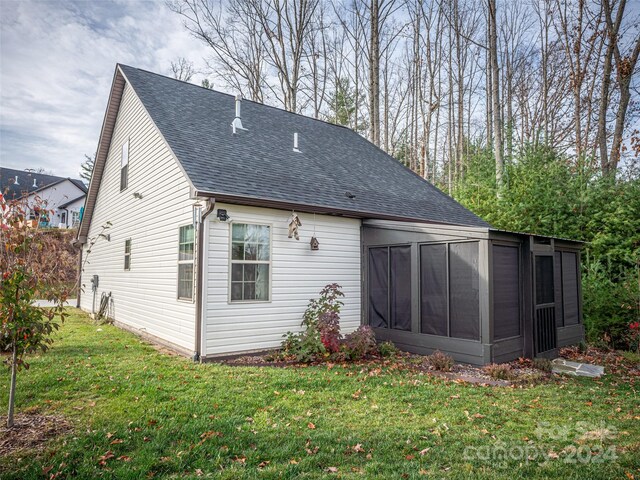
(507, 350)
(465, 351)
(570, 335)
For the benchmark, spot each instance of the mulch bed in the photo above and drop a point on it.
(402, 361)
(30, 431)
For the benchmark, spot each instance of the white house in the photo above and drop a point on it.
(198, 188)
(63, 197)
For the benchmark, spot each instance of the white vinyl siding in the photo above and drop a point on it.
(297, 275)
(144, 298)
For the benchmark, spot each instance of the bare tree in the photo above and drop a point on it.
(235, 39)
(286, 25)
(495, 93)
(182, 69)
(625, 67)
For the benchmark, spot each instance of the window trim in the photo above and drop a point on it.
(250, 262)
(123, 167)
(186, 262)
(127, 255)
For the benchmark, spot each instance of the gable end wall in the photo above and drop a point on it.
(145, 297)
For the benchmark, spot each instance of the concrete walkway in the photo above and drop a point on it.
(46, 303)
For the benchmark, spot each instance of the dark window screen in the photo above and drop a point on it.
(544, 280)
(378, 287)
(570, 288)
(433, 289)
(400, 276)
(557, 281)
(464, 298)
(506, 292)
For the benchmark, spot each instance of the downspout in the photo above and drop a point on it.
(79, 281)
(201, 283)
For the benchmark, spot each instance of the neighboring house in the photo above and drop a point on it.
(63, 197)
(199, 188)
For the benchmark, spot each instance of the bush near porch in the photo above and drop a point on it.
(136, 412)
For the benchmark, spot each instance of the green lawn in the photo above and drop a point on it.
(166, 417)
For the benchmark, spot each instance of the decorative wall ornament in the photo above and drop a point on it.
(294, 223)
(315, 244)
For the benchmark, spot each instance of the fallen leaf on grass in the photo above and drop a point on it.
(116, 441)
(332, 469)
(107, 456)
(423, 452)
(311, 426)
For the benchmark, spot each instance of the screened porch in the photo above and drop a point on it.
(477, 294)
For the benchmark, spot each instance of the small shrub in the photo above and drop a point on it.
(543, 364)
(321, 322)
(329, 330)
(360, 343)
(305, 346)
(387, 349)
(499, 371)
(440, 361)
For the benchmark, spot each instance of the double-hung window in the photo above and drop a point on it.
(250, 262)
(127, 254)
(185, 262)
(124, 166)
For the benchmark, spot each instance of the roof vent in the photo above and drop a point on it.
(237, 122)
(295, 142)
(35, 183)
(16, 182)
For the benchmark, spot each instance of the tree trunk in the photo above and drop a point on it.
(489, 90)
(374, 73)
(625, 66)
(12, 388)
(495, 94)
(618, 129)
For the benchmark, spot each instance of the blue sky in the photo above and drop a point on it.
(56, 65)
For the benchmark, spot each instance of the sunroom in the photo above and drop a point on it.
(478, 294)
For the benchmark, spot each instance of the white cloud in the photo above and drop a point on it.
(56, 66)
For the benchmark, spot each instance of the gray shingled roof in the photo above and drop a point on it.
(260, 163)
(26, 182)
